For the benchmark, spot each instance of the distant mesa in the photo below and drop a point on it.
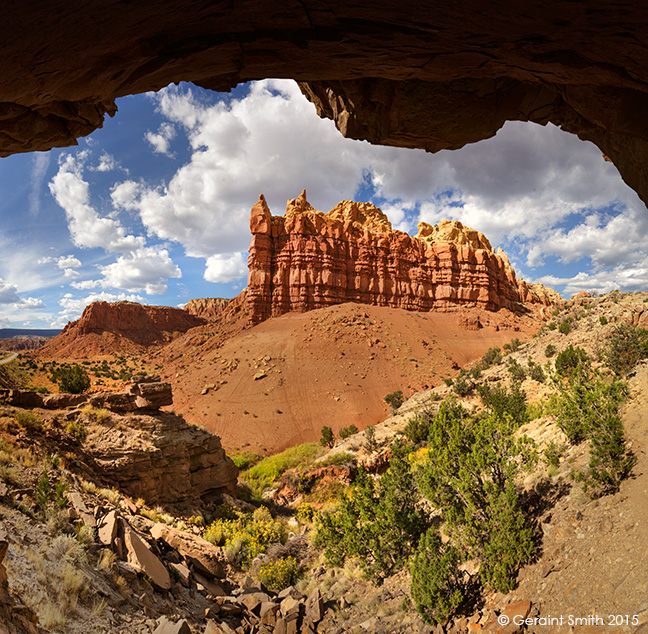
(107, 328)
(308, 259)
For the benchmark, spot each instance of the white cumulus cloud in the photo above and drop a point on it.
(226, 267)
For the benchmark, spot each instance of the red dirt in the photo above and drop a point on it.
(331, 366)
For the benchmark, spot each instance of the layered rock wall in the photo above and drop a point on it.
(307, 260)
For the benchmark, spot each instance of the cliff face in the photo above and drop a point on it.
(210, 308)
(307, 260)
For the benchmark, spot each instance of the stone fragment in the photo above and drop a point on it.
(80, 507)
(268, 613)
(218, 628)
(203, 555)
(209, 586)
(314, 607)
(165, 626)
(184, 574)
(513, 614)
(143, 560)
(107, 528)
(290, 608)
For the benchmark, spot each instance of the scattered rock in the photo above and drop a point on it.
(143, 560)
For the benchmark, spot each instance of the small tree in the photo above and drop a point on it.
(628, 345)
(378, 523)
(395, 399)
(346, 432)
(328, 437)
(74, 379)
(437, 583)
(569, 359)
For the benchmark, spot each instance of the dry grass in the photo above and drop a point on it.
(52, 615)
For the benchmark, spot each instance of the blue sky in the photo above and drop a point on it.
(154, 206)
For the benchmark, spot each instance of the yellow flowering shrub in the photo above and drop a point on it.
(246, 536)
(277, 575)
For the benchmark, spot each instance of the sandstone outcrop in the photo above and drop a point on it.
(210, 308)
(427, 75)
(142, 393)
(162, 459)
(307, 260)
(109, 328)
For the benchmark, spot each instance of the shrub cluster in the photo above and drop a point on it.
(379, 522)
(73, 379)
(245, 535)
(627, 346)
(589, 407)
(395, 399)
(570, 359)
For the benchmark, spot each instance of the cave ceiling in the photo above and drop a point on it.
(409, 74)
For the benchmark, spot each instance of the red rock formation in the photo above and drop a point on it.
(307, 260)
(108, 328)
(210, 308)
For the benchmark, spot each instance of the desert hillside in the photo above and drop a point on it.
(277, 384)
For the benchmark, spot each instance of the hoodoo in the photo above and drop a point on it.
(308, 259)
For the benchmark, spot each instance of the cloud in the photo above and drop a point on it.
(87, 228)
(634, 278)
(107, 163)
(226, 267)
(40, 163)
(160, 140)
(67, 263)
(146, 269)
(9, 296)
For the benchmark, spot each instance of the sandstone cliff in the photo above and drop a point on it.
(307, 260)
(109, 328)
(210, 308)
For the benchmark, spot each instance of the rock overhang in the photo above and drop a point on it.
(420, 75)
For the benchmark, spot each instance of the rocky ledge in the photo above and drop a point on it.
(308, 259)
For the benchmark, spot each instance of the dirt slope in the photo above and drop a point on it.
(277, 384)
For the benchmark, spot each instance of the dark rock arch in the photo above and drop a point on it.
(421, 74)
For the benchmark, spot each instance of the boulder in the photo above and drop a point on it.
(165, 626)
(203, 555)
(314, 607)
(143, 560)
(107, 528)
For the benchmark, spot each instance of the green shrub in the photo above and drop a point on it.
(512, 346)
(378, 523)
(516, 371)
(537, 373)
(565, 327)
(585, 401)
(370, 443)
(462, 386)
(277, 575)
(263, 474)
(475, 373)
(77, 429)
(73, 379)
(437, 583)
(501, 402)
(469, 476)
(570, 359)
(347, 432)
(603, 320)
(417, 428)
(328, 437)
(552, 325)
(343, 457)
(550, 350)
(492, 357)
(395, 399)
(627, 346)
(245, 460)
(553, 452)
(246, 536)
